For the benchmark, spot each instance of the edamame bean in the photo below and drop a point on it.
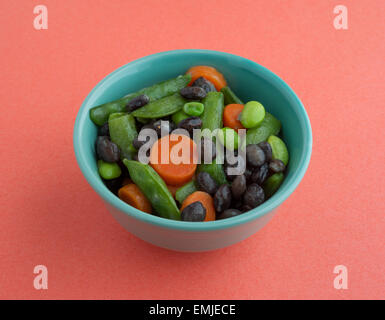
(193, 108)
(252, 114)
(228, 137)
(108, 170)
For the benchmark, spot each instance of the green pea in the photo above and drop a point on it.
(252, 114)
(279, 149)
(228, 137)
(179, 116)
(109, 171)
(193, 108)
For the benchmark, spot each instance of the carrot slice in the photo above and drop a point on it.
(174, 158)
(209, 73)
(132, 195)
(206, 200)
(231, 114)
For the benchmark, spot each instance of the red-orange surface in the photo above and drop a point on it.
(51, 216)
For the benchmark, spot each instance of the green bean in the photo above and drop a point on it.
(184, 191)
(99, 115)
(193, 108)
(122, 133)
(215, 170)
(252, 114)
(269, 126)
(108, 170)
(154, 188)
(161, 108)
(230, 96)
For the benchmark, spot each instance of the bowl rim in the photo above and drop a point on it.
(279, 197)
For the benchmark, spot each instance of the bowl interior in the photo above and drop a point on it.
(248, 80)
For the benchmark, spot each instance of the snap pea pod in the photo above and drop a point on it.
(230, 96)
(123, 132)
(161, 107)
(272, 184)
(279, 149)
(154, 188)
(269, 126)
(213, 111)
(99, 115)
(184, 191)
(212, 119)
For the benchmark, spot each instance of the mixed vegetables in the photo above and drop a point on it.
(190, 190)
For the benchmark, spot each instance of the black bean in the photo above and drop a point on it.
(266, 147)
(222, 198)
(137, 102)
(255, 155)
(114, 184)
(206, 183)
(260, 174)
(204, 84)
(277, 166)
(239, 167)
(193, 93)
(253, 196)
(107, 150)
(104, 130)
(137, 144)
(194, 212)
(162, 126)
(246, 208)
(238, 187)
(190, 124)
(207, 150)
(229, 213)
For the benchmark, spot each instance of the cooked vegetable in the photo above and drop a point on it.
(206, 183)
(204, 84)
(209, 73)
(230, 97)
(154, 188)
(255, 156)
(123, 132)
(190, 124)
(229, 213)
(174, 168)
(269, 126)
(277, 166)
(193, 108)
(272, 184)
(184, 191)
(228, 137)
(132, 195)
(252, 114)
(279, 149)
(215, 170)
(253, 196)
(231, 115)
(108, 170)
(179, 116)
(194, 212)
(205, 199)
(99, 115)
(222, 198)
(161, 108)
(193, 93)
(107, 150)
(137, 102)
(213, 111)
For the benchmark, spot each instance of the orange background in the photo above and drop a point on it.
(50, 216)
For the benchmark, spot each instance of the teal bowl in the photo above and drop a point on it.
(250, 81)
